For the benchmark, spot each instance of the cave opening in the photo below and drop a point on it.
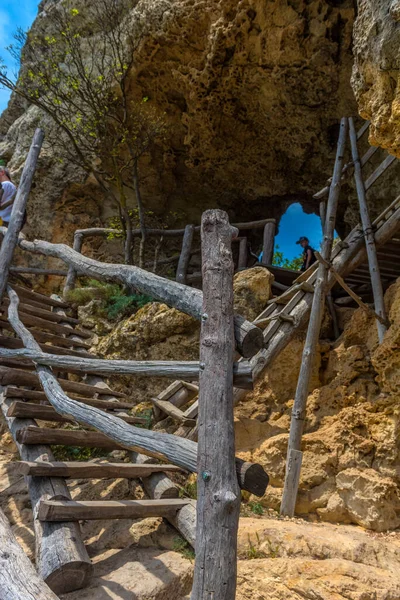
(295, 223)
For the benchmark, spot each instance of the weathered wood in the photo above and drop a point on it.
(14, 343)
(218, 502)
(190, 369)
(18, 578)
(47, 413)
(66, 437)
(379, 171)
(91, 470)
(373, 263)
(93, 510)
(176, 393)
(363, 129)
(184, 258)
(21, 377)
(15, 392)
(43, 337)
(157, 486)
(242, 261)
(44, 314)
(71, 277)
(188, 300)
(298, 412)
(10, 240)
(37, 271)
(348, 289)
(322, 213)
(293, 467)
(160, 445)
(173, 412)
(36, 297)
(38, 322)
(69, 568)
(268, 243)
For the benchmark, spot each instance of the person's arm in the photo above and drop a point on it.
(309, 257)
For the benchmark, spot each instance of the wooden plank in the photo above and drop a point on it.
(15, 225)
(314, 326)
(41, 298)
(15, 392)
(69, 568)
(91, 470)
(173, 412)
(44, 338)
(43, 313)
(89, 510)
(242, 372)
(363, 129)
(18, 578)
(38, 322)
(47, 413)
(33, 436)
(14, 343)
(218, 503)
(242, 260)
(21, 377)
(184, 258)
(379, 171)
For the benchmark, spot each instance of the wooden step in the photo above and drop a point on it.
(173, 411)
(44, 337)
(40, 323)
(20, 377)
(65, 437)
(70, 510)
(92, 470)
(42, 313)
(26, 410)
(26, 293)
(16, 344)
(15, 392)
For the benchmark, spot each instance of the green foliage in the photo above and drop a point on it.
(280, 261)
(63, 453)
(256, 508)
(115, 303)
(184, 548)
(145, 414)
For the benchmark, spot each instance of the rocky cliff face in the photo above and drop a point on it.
(252, 93)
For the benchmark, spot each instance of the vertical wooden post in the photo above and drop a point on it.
(376, 282)
(322, 213)
(17, 216)
(314, 326)
(184, 258)
(71, 277)
(268, 242)
(242, 262)
(218, 502)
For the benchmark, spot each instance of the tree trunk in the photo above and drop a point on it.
(142, 216)
(218, 502)
(184, 258)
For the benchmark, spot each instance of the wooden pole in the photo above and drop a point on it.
(314, 326)
(71, 277)
(160, 445)
(218, 502)
(242, 262)
(10, 240)
(376, 282)
(69, 568)
(322, 213)
(268, 243)
(18, 578)
(184, 258)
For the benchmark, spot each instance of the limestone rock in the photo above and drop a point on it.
(252, 290)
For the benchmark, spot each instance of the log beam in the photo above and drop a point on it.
(91, 470)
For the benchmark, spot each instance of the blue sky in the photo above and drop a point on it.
(13, 14)
(295, 223)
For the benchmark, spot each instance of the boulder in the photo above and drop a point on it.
(252, 290)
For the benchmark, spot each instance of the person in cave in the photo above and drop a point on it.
(309, 257)
(7, 195)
